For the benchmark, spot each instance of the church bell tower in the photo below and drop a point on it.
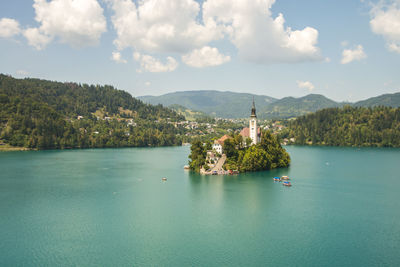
(253, 124)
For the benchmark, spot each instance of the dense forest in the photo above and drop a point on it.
(241, 155)
(347, 126)
(45, 114)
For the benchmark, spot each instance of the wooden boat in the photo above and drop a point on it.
(164, 178)
(285, 178)
(277, 179)
(186, 167)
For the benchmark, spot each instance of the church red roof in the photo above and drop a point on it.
(222, 139)
(245, 132)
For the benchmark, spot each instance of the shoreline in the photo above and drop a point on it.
(9, 148)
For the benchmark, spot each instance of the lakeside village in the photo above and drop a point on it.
(250, 149)
(203, 128)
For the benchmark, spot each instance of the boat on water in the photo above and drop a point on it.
(285, 178)
(164, 178)
(287, 183)
(186, 167)
(277, 179)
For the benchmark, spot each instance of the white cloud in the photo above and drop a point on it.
(205, 57)
(385, 21)
(349, 55)
(165, 26)
(22, 72)
(79, 23)
(161, 26)
(151, 64)
(9, 28)
(305, 85)
(36, 38)
(116, 56)
(394, 47)
(258, 36)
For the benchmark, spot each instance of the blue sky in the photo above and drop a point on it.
(347, 50)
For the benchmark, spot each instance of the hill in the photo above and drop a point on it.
(388, 100)
(347, 126)
(291, 107)
(189, 114)
(236, 105)
(45, 114)
(214, 103)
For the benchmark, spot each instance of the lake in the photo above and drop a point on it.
(109, 207)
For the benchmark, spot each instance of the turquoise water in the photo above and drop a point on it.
(109, 207)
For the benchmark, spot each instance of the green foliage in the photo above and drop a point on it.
(230, 148)
(43, 114)
(191, 115)
(387, 100)
(348, 126)
(255, 159)
(197, 156)
(291, 107)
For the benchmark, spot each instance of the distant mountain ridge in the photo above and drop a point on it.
(236, 105)
(214, 103)
(388, 100)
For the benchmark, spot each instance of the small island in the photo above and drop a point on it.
(253, 149)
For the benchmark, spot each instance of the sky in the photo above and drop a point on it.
(347, 50)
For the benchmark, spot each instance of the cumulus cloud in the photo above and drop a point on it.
(9, 28)
(36, 38)
(151, 64)
(258, 36)
(161, 26)
(349, 55)
(305, 85)
(117, 57)
(205, 57)
(186, 28)
(79, 23)
(385, 21)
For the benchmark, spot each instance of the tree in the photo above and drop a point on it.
(249, 141)
(255, 159)
(229, 148)
(197, 155)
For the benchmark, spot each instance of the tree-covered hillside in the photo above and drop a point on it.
(292, 107)
(213, 103)
(347, 126)
(44, 114)
(72, 99)
(387, 100)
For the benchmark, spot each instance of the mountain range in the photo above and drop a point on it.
(237, 105)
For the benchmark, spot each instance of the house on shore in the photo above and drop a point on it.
(218, 144)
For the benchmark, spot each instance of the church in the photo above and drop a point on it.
(252, 131)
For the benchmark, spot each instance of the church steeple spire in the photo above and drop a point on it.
(253, 110)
